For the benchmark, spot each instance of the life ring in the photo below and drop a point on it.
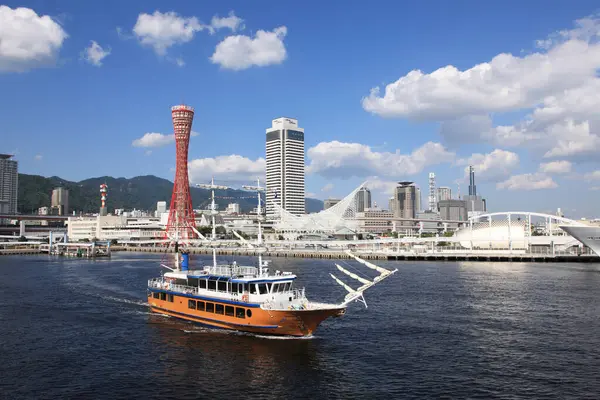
(245, 297)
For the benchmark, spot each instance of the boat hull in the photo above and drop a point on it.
(255, 319)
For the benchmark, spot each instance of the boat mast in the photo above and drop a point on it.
(260, 249)
(213, 211)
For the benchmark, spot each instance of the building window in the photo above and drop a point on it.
(240, 313)
(192, 304)
(229, 311)
(219, 308)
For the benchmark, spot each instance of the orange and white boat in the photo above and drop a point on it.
(249, 299)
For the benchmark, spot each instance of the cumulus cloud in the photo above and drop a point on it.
(327, 188)
(345, 160)
(28, 40)
(231, 22)
(153, 139)
(241, 52)
(556, 167)
(232, 167)
(163, 30)
(534, 181)
(374, 183)
(94, 54)
(492, 166)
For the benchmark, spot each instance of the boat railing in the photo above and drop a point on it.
(298, 294)
(231, 270)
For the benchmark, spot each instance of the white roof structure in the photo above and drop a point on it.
(340, 216)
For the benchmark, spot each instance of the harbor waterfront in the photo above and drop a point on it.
(465, 330)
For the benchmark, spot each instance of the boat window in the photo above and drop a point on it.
(163, 296)
(192, 304)
(222, 285)
(212, 284)
(210, 307)
(156, 295)
(262, 288)
(219, 308)
(269, 285)
(249, 313)
(202, 283)
(200, 306)
(240, 288)
(229, 311)
(170, 297)
(281, 287)
(183, 282)
(234, 287)
(288, 286)
(193, 282)
(240, 312)
(253, 288)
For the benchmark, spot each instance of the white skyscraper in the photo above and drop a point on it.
(285, 166)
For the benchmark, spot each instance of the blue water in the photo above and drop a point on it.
(79, 329)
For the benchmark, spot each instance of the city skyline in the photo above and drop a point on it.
(115, 79)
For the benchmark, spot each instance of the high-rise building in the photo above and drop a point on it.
(472, 187)
(432, 199)
(404, 198)
(328, 203)
(418, 200)
(60, 201)
(454, 210)
(363, 199)
(9, 177)
(392, 204)
(161, 207)
(444, 193)
(285, 166)
(181, 222)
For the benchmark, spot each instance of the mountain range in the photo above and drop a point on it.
(140, 192)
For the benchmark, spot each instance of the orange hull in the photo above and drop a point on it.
(245, 317)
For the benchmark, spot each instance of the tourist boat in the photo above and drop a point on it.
(249, 299)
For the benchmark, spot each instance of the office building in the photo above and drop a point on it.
(472, 187)
(233, 208)
(454, 210)
(60, 201)
(418, 200)
(328, 203)
(475, 204)
(161, 207)
(285, 166)
(363, 199)
(444, 193)
(392, 204)
(9, 177)
(405, 200)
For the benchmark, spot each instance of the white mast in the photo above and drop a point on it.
(213, 211)
(260, 249)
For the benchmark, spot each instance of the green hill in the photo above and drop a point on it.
(140, 192)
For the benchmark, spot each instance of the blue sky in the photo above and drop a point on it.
(525, 121)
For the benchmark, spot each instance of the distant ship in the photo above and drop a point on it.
(588, 235)
(247, 298)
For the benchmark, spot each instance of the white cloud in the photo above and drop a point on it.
(231, 22)
(534, 181)
(592, 176)
(38, 157)
(556, 167)
(94, 53)
(28, 40)
(241, 52)
(504, 83)
(339, 159)
(232, 167)
(381, 185)
(327, 188)
(492, 166)
(153, 139)
(163, 30)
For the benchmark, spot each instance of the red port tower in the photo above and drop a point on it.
(181, 222)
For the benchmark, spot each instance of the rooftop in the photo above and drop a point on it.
(6, 156)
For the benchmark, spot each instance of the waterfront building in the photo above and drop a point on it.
(328, 203)
(444, 193)
(429, 221)
(161, 207)
(9, 177)
(285, 167)
(60, 201)
(455, 210)
(111, 227)
(405, 200)
(363, 199)
(233, 208)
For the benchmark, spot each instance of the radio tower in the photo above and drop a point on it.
(181, 223)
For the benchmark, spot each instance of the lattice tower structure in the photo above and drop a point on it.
(181, 214)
